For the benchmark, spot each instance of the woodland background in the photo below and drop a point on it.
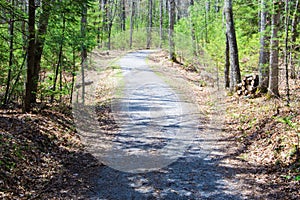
(44, 43)
(250, 47)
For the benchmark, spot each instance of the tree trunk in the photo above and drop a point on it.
(29, 96)
(235, 75)
(20, 72)
(104, 6)
(39, 43)
(11, 54)
(167, 5)
(23, 28)
(227, 64)
(171, 30)
(99, 34)
(179, 10)
(286, 55)
(217, 6)
(58, 65)
(109, 36)
(206, 18)
(73, 73)
(83, 47)
(131, 23)
(294, 35)
(161, 22)
(263, 66)
(137, 14)
(273, 79)
(193, 34)
(123, 15)
(111, 13)
(150, 22)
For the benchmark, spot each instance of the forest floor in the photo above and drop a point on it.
(43, 157)
(261, 135)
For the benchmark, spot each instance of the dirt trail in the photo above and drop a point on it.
(162, 149)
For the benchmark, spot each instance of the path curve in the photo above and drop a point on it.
(158, 152)
(155, 125)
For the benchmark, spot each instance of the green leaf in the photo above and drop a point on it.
(286, 176)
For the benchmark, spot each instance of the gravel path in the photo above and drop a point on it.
(161, 149)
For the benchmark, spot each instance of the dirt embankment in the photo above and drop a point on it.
(263, 135)
(42, 157)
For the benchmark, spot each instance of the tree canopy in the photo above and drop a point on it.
(43, 42)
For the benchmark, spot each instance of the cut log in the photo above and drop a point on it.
(239, 92)
(248, 85)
